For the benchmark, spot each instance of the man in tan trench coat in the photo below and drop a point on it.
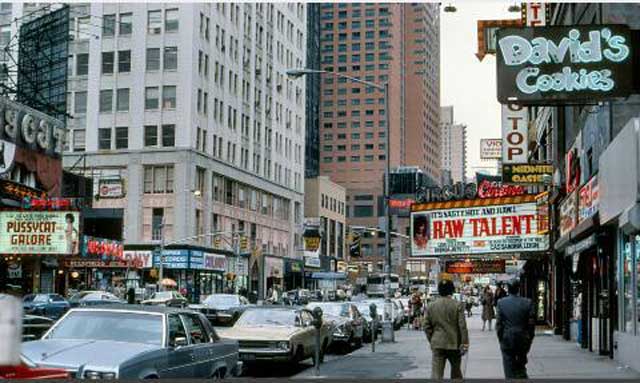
(446, 328)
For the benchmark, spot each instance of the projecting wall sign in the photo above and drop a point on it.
(547, 65)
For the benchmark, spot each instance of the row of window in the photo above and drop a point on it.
(368, 35)
(332, 204)
(122, 99)
(354, 136)
(343, 148)
(354, 113)
(355, 47)
(355, 58)
(118, 138)
(356, 124)
(358, 68)
(367, 158)
(356, 24)
(124, 22)
(156, 59)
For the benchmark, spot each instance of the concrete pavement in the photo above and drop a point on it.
(409, 357)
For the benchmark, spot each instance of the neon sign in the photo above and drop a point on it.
(547, 63)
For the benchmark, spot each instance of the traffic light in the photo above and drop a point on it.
(244, 243)
(217, 243)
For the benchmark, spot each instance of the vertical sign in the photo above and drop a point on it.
(515, 135)
(536, 14)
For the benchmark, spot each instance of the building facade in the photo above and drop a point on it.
(188, 110)
(454, 146)
(381, 43)
(325, 207)
(312, 123)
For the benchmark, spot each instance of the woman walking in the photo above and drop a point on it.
(487, 307)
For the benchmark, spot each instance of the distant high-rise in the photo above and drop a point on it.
(382, 43)
(312, 126)
(454, 146)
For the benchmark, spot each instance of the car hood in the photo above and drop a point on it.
(71, 353)
(258, 333)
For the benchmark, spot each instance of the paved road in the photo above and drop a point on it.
(409, 357)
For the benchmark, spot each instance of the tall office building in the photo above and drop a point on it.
(454, 146)
(312, 126)
(382, 43)
(186, 108)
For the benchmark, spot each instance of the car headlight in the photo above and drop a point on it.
(96, 375)
(283, 345)
(340, 330)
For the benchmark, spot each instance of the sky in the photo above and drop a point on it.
(465, 82)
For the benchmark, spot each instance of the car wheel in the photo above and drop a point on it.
(218, 375)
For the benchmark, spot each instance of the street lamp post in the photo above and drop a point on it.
(299, 72)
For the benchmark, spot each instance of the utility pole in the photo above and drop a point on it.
(161, 256)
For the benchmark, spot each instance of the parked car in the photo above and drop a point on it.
(94, 298)
(167, 298)
(135, 342)
(347, 323)
(222, 309)
(47, 305)
(277, 333)
(28, 370)
(33, 327)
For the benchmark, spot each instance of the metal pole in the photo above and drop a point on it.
(387, 197)
(161, 272)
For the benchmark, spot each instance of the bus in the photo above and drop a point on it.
(419, 283)
(375, 284)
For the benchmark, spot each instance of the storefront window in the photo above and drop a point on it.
(627, 288)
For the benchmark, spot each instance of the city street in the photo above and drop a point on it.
(410, 358)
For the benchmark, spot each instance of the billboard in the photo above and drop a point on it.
(564, 64)
(588, 200)
(39, 232)
(490, 149)
(509, 225)
(568, 214)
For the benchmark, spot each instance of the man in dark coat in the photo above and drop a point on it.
(515, 326)
(131, 296)
(446, 328)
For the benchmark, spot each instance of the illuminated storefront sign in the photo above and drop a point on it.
(568, 214)
(19, 192)
(31, 232)
(92, 246)
(477, 229)
(515, 134)
(545, 64)
(588, 200)
(526, 174)
(29, 128)
(476, 266)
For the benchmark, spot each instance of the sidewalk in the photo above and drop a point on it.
(410, 358)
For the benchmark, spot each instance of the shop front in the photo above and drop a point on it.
(273, 273)
(175, 264)
(311, 264)
(619, 180)
(34, 245)
(212, 278)
(293, 277)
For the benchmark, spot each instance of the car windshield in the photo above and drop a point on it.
(41, 298)
(221, 300)
(99, 297)
(267, 318)
(338, 310)
(110, 325)
(162, 295)
(76, 297)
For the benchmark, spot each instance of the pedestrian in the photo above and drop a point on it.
(515, 326)
(131, 296)
(416, 303)
(446, 328)
(488, 313)
(468, 303)
(499, 294)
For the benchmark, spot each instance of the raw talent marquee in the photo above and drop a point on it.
(505, 228)
(31, 232)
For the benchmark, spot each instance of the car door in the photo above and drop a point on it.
(179, 356)
(57, 305)
(204, 353)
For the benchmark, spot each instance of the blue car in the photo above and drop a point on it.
(46, 305)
